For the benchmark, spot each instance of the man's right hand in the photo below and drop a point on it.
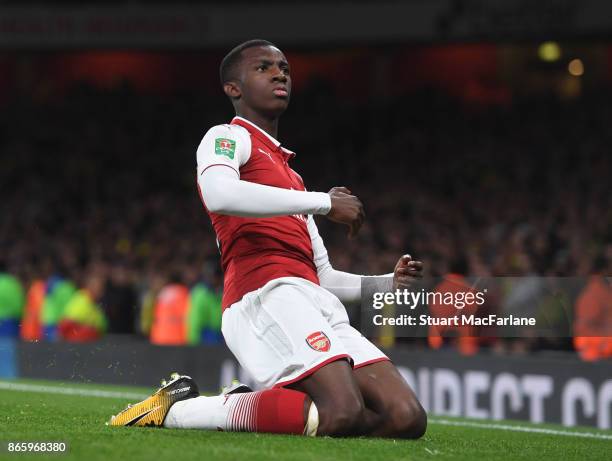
(346, 209)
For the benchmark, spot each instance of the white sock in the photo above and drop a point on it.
(199, 413)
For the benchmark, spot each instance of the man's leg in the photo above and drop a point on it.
(372, 400)
(339, 402)
(279, 411)
(391, 407)
(388, 395)
(291, 322)
(177, 404)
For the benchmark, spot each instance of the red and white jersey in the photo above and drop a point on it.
(255, 250)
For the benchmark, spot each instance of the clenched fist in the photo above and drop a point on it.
(346, 209)
(406, 272)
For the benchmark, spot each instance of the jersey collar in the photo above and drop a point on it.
(261, 134)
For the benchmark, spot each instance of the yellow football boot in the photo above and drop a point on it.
(152, 411)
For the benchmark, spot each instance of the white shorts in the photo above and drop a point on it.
(289, 328)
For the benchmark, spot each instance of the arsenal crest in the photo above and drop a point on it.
(318, 341)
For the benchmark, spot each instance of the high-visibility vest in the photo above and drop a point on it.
(467, 342)
(31, 325)
(592, 321)
(204, 319)
(83, 310)
(59, 293)
(12, 301)
(82, 319)
(11, 297)
(170, 316)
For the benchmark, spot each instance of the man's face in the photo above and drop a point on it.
(264, 81)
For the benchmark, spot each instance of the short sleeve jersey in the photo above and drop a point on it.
(256, 250)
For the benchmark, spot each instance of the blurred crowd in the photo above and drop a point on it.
(98, 187)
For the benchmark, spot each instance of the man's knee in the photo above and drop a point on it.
(408, 419)
(340, 416)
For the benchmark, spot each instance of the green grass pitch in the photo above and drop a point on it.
(79, 421)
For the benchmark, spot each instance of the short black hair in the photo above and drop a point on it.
(232, 59)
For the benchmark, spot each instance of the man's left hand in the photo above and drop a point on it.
(406, 272)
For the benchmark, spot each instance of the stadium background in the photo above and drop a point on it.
(476, 133)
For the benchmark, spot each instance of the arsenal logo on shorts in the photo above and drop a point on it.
(318, 341)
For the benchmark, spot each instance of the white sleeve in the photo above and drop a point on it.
(223, 192)
(228, 145)
(346, 286)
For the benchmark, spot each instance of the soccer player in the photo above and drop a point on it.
(283, 314)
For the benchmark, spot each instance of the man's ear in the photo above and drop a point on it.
(232, 90)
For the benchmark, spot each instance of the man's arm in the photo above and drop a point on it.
(348, 287)
(225, 149)
(223, 192)
(222, 152)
